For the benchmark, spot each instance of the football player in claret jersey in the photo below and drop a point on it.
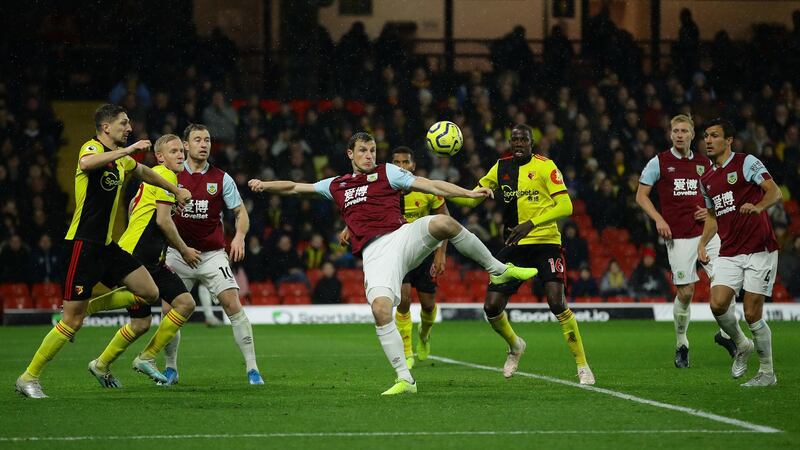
(738, 190)
(200, 226)
(675, 174)
(533, 198)
(369, 200)
(103, 163)
(149, 230)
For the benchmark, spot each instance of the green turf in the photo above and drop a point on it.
(326, 379)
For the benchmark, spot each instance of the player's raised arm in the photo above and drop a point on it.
(445, 189)
(93, 161)
(281, 187)
(146, 174)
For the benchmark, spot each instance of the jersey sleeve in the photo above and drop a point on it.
(436, 201)
(128, 163)
(323, 188)
(706, 198)
(163, 195)
(399, 179)
(754, 170)
(90, 148)
(230, 193)
(651, 172)
(553, 179)
(490, 179)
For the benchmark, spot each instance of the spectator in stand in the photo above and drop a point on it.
(255, 263)
(315, 253)
(15, 260)
(789, 268)
(614, 282)
(328, 289)
(285, 264)
(46, 264)
(585, 285)
(648, 280)
(575, 247)
(221, 119)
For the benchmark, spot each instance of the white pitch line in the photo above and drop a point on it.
(356, 434)
(691, 411)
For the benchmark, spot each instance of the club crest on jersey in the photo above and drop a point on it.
(531, 175)
(732, 178)
(701, 170)
(372, 177)
(211, 188)
(79, 290)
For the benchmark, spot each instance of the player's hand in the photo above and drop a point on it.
(749, 208)
(519, 232)
(256, 185)
(663, 229)
(437, 268)
(138, 147)
(191, 256)
(700, 214)
(344, 237)
(482, 192)
(183, 196)
(237, 249)
(702, 255)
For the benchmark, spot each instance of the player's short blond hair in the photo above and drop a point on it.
(163, 140)
(682, 118)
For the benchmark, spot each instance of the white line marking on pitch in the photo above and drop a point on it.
(691, 411)
(356, 434)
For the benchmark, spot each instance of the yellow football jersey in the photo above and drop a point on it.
(526, 192)
(419, 204)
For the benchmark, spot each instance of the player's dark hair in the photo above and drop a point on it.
(524, 128)
(361, 136)
(727, 127)
(106, 113)
(193, 127)
(405, 151)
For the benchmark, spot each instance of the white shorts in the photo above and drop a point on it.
(389, 258)
(755, 272)
(214, 272)
(682, 255)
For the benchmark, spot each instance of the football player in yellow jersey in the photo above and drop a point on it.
(149, 231)
(103, 164)
(416, 205)
(533, 196)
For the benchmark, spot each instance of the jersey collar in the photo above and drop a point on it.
(727, 161)
(189, 170)
(679, 156)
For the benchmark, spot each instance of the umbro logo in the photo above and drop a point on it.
(670, 169)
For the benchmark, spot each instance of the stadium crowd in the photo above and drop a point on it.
(598, 116)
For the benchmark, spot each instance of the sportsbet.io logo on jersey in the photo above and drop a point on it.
(684, 186)
(109, 181)
(510, 194)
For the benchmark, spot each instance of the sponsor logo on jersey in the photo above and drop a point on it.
(109, 181)
(555, 177)
(732, 178)
(211, 188)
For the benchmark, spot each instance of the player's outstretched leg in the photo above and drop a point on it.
(427, 319)
(242, 332)
(28, 383)
(762, 340)
(391, 342)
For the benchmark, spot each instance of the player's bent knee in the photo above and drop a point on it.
(184, 304)
(443, 227)
(140, 325)
(492, 309)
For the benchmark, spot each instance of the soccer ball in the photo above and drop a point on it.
(444, 138)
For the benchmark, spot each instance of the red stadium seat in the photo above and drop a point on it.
(449, 277)
(48, 302)
(620, 299)
(578, 207)
(14, 289)
(354, 293)
(346, 275)
(46, 290)
(615, 235)
(476, 276)
(292, 289)
(262, 289)
(478, 290)
(296, 300)
(261, 300)
(454, 293)
(587, 299)
(652, 300)
(17, 302)
(780, 294)
(313, 276)
(523, 296)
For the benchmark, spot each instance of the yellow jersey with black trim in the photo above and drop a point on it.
(525, 192)
(419, 204)
(143, 238)
(97, 195)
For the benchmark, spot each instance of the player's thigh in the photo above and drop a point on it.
(186, 273)
(682, 255)
(85, 269)
(420, 276)
(729, 271)
(216, 274)
(170, 285)
(760, 272)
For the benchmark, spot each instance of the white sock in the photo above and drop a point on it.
(204, 296)
(392, 345)
(470, 246)
(762, 338)
(733, 309)
(730, 324)
(682, 314)
(171, 351)
(243, 334)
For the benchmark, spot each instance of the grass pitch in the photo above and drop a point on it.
(324, 381)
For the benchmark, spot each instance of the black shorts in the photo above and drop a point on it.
(91, 263)
(548, 258)
(420, 277)
(170, 286)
